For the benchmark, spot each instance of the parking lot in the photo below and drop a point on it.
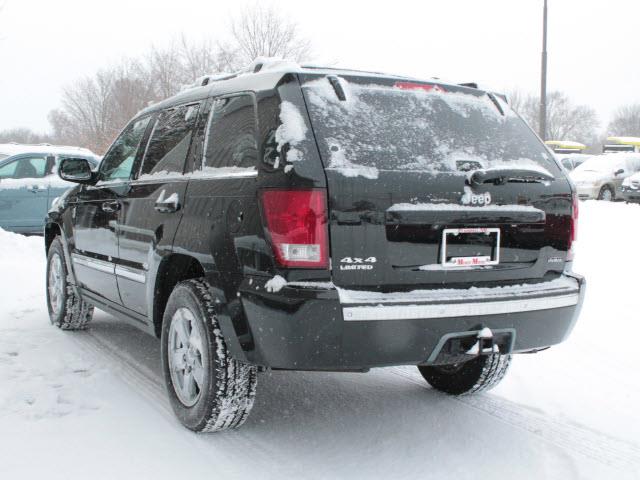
(96, 399)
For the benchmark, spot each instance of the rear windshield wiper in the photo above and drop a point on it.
(496, 103)
(499, 176)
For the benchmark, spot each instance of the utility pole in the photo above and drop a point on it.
(543, 80)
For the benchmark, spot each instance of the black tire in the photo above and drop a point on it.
(481, 373)
(228, 388)
(603, 193)
(67, 311)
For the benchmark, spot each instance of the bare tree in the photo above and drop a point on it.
(626, 121)
(264, 31)
(169, 68)
(94, 109)
(565, 120)
(517, 100)
(23, 135)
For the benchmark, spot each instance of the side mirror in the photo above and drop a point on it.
(619, 171)
(77, 170)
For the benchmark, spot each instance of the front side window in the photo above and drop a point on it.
(231, 136)
(28, 167)
(170, 140)
(118, 162)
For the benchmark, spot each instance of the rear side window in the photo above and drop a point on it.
(170, 140)
(230, 142)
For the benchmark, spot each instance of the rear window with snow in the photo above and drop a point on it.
(386, 127)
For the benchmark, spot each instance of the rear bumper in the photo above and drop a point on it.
(330, 329)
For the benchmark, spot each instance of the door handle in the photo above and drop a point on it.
(169, 204)
(111, 206)
(35, 189)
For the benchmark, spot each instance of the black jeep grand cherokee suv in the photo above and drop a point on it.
(318, 219)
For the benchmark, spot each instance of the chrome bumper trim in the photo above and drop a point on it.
(448, 310)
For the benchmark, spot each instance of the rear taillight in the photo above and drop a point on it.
(574, 226)
(296, 221)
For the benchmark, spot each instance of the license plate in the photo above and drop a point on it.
(470, 247)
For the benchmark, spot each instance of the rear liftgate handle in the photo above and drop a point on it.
(169, 204)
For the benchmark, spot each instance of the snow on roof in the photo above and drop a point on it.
(625, 140)
(258, 65)
(262, 64)
(276, 64)
(16, 148)
(569, 144)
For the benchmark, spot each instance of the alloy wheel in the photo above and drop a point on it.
(56, 283)
(186, 356)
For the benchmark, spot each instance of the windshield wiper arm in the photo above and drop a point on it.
(500, 176)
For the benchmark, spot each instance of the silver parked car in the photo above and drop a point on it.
(601, 176)
(571, 161)
(29, 183)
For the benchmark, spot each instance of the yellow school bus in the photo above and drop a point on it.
(622, 144)
(565, 146)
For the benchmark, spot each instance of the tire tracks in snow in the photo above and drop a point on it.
(246, 450)
(610, 451)
(569, 436)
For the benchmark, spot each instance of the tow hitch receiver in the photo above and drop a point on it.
(462, 346)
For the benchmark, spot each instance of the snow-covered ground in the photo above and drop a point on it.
(92, 404)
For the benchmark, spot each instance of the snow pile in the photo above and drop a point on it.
(22, 272)
(275, 284)
(291, 132)
(16, 249)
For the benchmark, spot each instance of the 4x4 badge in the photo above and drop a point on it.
(357, 263)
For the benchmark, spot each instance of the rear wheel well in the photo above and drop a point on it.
(51, 230)
(173, 270)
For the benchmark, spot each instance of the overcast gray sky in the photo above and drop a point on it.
(594, 46)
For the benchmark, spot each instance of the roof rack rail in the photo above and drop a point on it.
(207, 79)
(255, 67)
